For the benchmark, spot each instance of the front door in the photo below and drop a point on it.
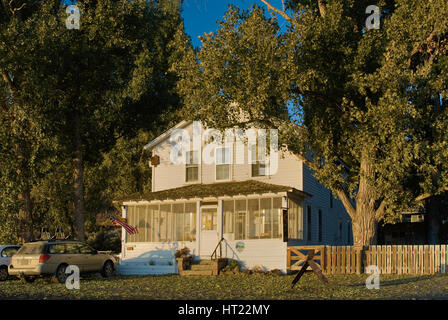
(209, 232)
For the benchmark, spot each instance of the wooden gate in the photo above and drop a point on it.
(297, 256)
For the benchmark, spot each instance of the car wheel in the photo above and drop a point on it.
(61, 276)
(4, 273)
(108, 269)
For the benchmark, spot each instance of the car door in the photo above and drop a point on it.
(74, 256)
(92, 261)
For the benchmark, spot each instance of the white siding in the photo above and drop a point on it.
(266, 253)
(168, 175)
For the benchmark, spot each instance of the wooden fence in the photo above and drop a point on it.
(390, 259)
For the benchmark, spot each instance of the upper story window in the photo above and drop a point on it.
(192, 166)
(259, 167)
(222, 163)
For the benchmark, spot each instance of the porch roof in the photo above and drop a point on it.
(213, 190)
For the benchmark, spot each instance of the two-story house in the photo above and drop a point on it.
(257, 211)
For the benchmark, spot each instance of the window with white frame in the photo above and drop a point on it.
(192, 166)
(222, 158)
(259, 164)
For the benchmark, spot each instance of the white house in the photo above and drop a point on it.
(258, 213)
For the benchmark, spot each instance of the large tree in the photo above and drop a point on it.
(348, 91)
(87, 87)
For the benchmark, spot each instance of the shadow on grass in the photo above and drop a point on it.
(396, 282)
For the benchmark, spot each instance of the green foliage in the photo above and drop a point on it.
(95, 95)
(367, 108)
(107, 239)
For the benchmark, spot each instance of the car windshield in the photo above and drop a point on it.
(34, 248)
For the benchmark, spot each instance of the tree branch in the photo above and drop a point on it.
(13, 10)
(381, 211)
(342, 194)
(427, 195)
(9, 82)
(278, 11)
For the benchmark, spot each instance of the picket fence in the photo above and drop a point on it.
(390, 259)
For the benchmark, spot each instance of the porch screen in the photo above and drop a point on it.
(295, 226)
(258, 218)
(163, 223)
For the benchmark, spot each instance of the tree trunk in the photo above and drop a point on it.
(26, 217)
(434, 220)
(78, 175)
(365, 222)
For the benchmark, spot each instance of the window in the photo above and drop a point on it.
(84, 249)
(209, 219)
(56, 248)
(259, 218)
(163, 223)
(228, 209)
(259, 166)
(320, 225)
(190, 222)
(34, 248)
(222, 163)
(240, 219)
(308, 219)
(72, 248)
(277, 212)
(192, 166)
(9, 252)
(294, 220)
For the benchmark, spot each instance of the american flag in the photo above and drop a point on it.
(129, 229)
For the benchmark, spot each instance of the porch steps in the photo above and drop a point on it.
(197, 272)
(200, 268)
(204, 267)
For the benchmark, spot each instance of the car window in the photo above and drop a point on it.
(9, 252)
(31, 248)
(85, 249)
(72, 248)
(58, 248)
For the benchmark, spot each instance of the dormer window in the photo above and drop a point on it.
(192, 166)
(222, 163)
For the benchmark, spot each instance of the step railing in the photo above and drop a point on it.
(215, 252)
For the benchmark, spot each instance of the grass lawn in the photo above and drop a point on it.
(256, 286)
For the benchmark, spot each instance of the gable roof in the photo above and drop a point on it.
(213, 190)
(166, 135)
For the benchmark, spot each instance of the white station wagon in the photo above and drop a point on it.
(6, 252)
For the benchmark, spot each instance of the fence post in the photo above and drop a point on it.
(322, 258)
(359, 269)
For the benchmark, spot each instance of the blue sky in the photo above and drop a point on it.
(201, 15)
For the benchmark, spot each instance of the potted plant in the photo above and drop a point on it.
(183, 258)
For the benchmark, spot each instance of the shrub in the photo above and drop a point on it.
(107, 239)
(183, 253)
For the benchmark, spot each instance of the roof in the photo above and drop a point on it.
(213, 190)
(165, 135)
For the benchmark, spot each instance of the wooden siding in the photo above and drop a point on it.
(167, 175)
(266, 253)
(330, 215)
